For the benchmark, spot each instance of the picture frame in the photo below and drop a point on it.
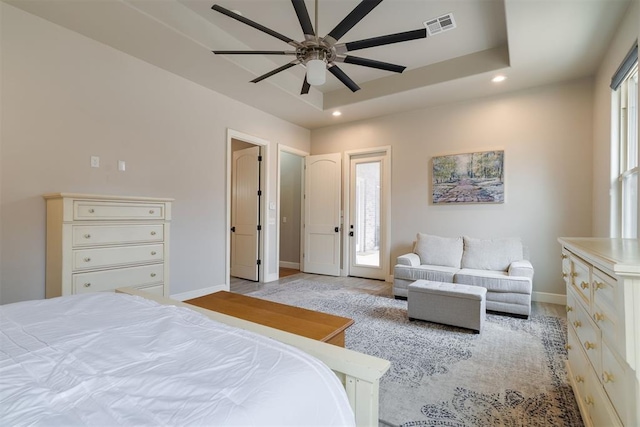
(476, 177)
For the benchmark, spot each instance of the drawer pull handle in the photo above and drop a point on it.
(153, 274)
(599, 317)
(579, 379)
(86, 285)
(574, 274)
(564, 274)
(568, 347)
(153, 233)
(153, 252)
(607, 377)
(588, 400)
(564, 256)
(91, 211)
(598, 285)
(589, 345)
(87, 236)
(584, 285)
(569, 308)
(151, 211)
(87, 259)
(577, 323)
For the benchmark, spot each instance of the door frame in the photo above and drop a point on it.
(264, 176)
(385, 209)
(303, 154)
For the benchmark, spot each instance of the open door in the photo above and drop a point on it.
(322, 214)
(245, 213)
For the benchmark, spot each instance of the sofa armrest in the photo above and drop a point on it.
(521, 268)
(412, 260)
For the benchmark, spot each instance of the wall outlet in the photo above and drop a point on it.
(121, 165)
(95, 161)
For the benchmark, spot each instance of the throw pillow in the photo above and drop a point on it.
(491, 254)
(436, 250)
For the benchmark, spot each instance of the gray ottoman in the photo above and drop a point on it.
(447, 303)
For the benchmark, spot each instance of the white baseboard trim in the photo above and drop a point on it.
(199, 292)
(287, 264)
(550, 298)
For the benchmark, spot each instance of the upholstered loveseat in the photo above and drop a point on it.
(499, 265)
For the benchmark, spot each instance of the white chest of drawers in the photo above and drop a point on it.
(100, 243)
(603, 316)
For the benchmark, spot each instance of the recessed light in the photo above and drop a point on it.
(336, 113)
(498, 79)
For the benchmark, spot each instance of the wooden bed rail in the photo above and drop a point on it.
(360, 373)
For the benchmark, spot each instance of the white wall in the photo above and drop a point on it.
(66, 97)
(628, 33)
(546, 134)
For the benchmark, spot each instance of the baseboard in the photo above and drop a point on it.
(199, 292)
(287, 264)
(550, 298)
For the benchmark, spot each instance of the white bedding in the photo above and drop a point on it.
(114, 359)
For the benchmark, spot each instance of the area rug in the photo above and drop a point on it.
(512, 374)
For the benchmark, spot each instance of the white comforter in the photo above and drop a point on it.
(112, 359)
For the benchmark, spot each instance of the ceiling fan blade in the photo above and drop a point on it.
(276, 71)
(372, 63)
(305, 86)
(359, 12)
(254, 52)
(303, 17)
(253, 24)
(388, 39)
(333, 68)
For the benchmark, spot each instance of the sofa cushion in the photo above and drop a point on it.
(436, 250)
(494, 281)
(491, 254)
(424, 272)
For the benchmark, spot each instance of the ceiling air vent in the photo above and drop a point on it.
(440, 24)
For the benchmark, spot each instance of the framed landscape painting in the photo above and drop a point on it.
(469, 178)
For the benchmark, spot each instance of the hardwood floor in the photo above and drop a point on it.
(374, 287)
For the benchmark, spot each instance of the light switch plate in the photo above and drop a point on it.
(95, 161)
(121, 165)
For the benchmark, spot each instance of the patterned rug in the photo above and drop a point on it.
(512, 374)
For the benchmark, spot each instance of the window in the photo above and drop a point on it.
(625, 108)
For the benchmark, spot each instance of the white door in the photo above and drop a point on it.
(245, 213)
(367, 222)
(323, 174)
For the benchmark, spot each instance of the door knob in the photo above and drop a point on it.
(336, 229)
(351, 234)
(233, 229)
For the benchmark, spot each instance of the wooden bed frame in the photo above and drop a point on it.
(359, 373)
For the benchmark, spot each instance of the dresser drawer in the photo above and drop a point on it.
(600, 410)
(154, 289)
(109, 280)
(604, 291)
(84, 259)
(589, 336)
(94, 235)
(578, 363)
(615, 378)
(97, 210)
(580, 279)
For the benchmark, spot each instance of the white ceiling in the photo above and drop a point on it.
(532, 42)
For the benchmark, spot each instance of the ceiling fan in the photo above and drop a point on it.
(319, 54)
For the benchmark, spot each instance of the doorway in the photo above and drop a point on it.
(291, 196)
(246, 195)
(368, 206)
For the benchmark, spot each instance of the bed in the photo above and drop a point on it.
(129, 358)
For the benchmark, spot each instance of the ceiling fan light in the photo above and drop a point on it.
(316, 72)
